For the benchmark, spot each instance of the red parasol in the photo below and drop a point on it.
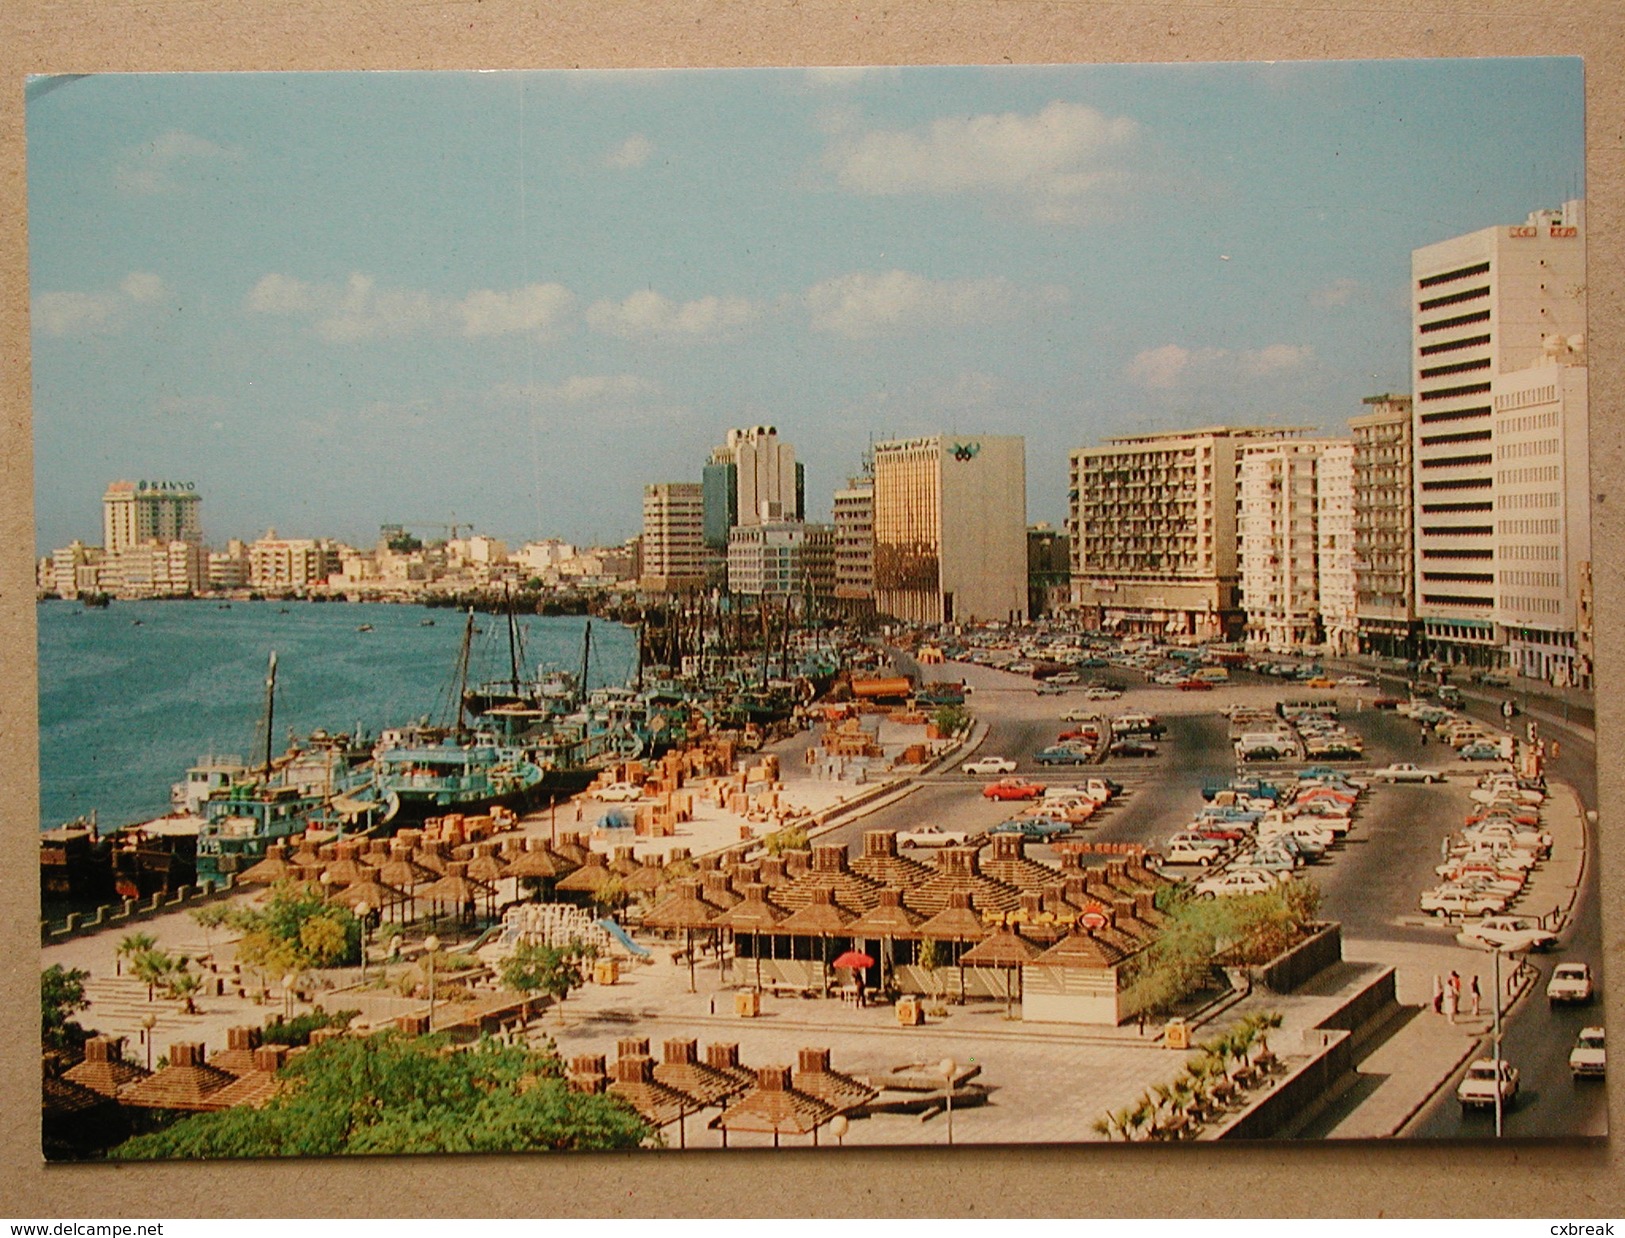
(855, 959)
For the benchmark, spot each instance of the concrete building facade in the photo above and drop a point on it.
(277, 564)
(854, 520)
(1153, 526)
(1384, 548)
(782, 559)
(1483, 306)
(674, 552)
(134, 512)
(950, 528)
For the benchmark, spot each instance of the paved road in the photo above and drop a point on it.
(1370, 883)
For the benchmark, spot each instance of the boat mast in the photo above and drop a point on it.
(462, 672)
(270, 710)
(640, 650)
(513, 640)
(586, 655)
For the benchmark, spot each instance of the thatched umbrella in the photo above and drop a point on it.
(346, 867)
(374, 893)
(485, 866)
(624, 862)
(1006, 949)
(774, 1106)
(456, 888)
(590, 878)
(648, 878)
(881, 862)
(958, 923)
(684, 909)
(538, 863)
(823, 918)
(888, 923)
(755, 915)
(270, 870)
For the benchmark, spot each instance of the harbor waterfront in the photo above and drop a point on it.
(146, 688)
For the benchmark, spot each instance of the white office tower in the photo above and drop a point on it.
(1486, 307)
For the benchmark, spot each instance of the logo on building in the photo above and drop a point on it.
(966, 451)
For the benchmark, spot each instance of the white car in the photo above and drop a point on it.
(1510, 934)
(1223, 885)
(1570, 982)
(1589, 1058)
(1405, 771)
(1353, 681)
(990, 765)
(1065, 677)
(1081, 714)
(621, 793)
(1100, 694)
(1193, 849)
(931, 836)
(1486, 1079)
(1454, 900)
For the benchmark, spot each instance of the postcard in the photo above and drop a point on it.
(784, 608)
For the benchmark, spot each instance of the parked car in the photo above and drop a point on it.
(621, 793)
(1102, 694)
(1478, 751)
(1589, 1057)
(931, 836)
(1570, 983)
(1050, 689)
(1485, 1081)
(1133, 748)
(989, 765)
(1353, 681)
(1508, 933)
(1193, 849)
(1223, 885)
(1460, 901)
(1013, 789)
(1064, 754)
(1195, 685)
(1081, 713)
(1406, 772)
(1065, 677)
(1039, 828)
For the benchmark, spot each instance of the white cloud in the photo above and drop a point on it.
(866, 304)
(646, 312)
(105, 310)
(1338, 292)
(1170, 365)
(582, 389)
(1054, 158)
(365, 312)
(157, 166)
(535, 308)
(282, 294)
(142, 286)
(632, 153)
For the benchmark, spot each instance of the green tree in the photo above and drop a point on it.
(62, 995)
(950, 719)
(553, 970)
(295, 930)
(153, 968)
(131, 946)
(392, 1094)
(184, 987)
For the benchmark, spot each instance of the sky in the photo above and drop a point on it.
(336, 301)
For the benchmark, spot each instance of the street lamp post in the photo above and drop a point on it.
(431, 943)
(838, 1127)
(362, 911)
(289, 983)
(147, 1024)
(949, 1069)
(1498, 1065)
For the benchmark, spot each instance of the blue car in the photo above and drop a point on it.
(1480, 752)
(1063, 756)
(1039, 828)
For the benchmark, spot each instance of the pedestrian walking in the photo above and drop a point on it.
(1454, 985)
(1438, 993)
(578, 810)
(1450, 1002)
(1477, 996)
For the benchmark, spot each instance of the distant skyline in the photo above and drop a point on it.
(335, 301)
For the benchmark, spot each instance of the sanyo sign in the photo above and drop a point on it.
(174, 487)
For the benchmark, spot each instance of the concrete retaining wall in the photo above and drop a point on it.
(1307, 959)
(133, 911)
(1298, 1092)
(1367, 1010)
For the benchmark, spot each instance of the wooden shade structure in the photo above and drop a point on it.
(888, 922)
(456, 889)
(754, 914)
(958, 923)
(775, 1107)
(682, 1071)
(104, 1069)
(684, 910)
(823, 918)
(840, 1092)
(658, 1105)
(374, 893)
(271, 869)
(1009, 863)
(1006, 949)
(881, 862)
(186, 1083)
(958, 872)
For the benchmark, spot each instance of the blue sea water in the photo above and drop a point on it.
(131, 695)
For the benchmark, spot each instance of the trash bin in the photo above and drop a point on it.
(909, 1012)
(1177, 1034)
(606, 971)
(747, 1003)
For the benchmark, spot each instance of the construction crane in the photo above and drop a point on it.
(391, 534)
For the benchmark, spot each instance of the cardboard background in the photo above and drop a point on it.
(41, 36)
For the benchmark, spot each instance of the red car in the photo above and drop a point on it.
(1195, 685)
(1220, 832)
(1013, 789)
(1088, 733)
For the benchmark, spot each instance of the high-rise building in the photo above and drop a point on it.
(950, 525)
(1153, 525)
(854, 520)
(1484, 306)
(1049, 570)
(751, 479)
(1542, 516)
(674, 552)
(136, 512)
(1384, 551)
(279, 564)
(1295, 534)
(783, 559)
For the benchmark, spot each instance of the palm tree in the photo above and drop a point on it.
(131, 946)
(1141, 1115)
(185, 986)
(152, 968)
(1263, 1024)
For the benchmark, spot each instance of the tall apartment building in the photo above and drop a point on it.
(1483, 307)
(1542, 516)
(278, 564)
(854, 521)
(753, 477)
(783, 559)
(1049, 570)
(135, 512)
(1384, 550)
(950, 523)
(1153, 525)
(674, 552)
(1295, 533)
